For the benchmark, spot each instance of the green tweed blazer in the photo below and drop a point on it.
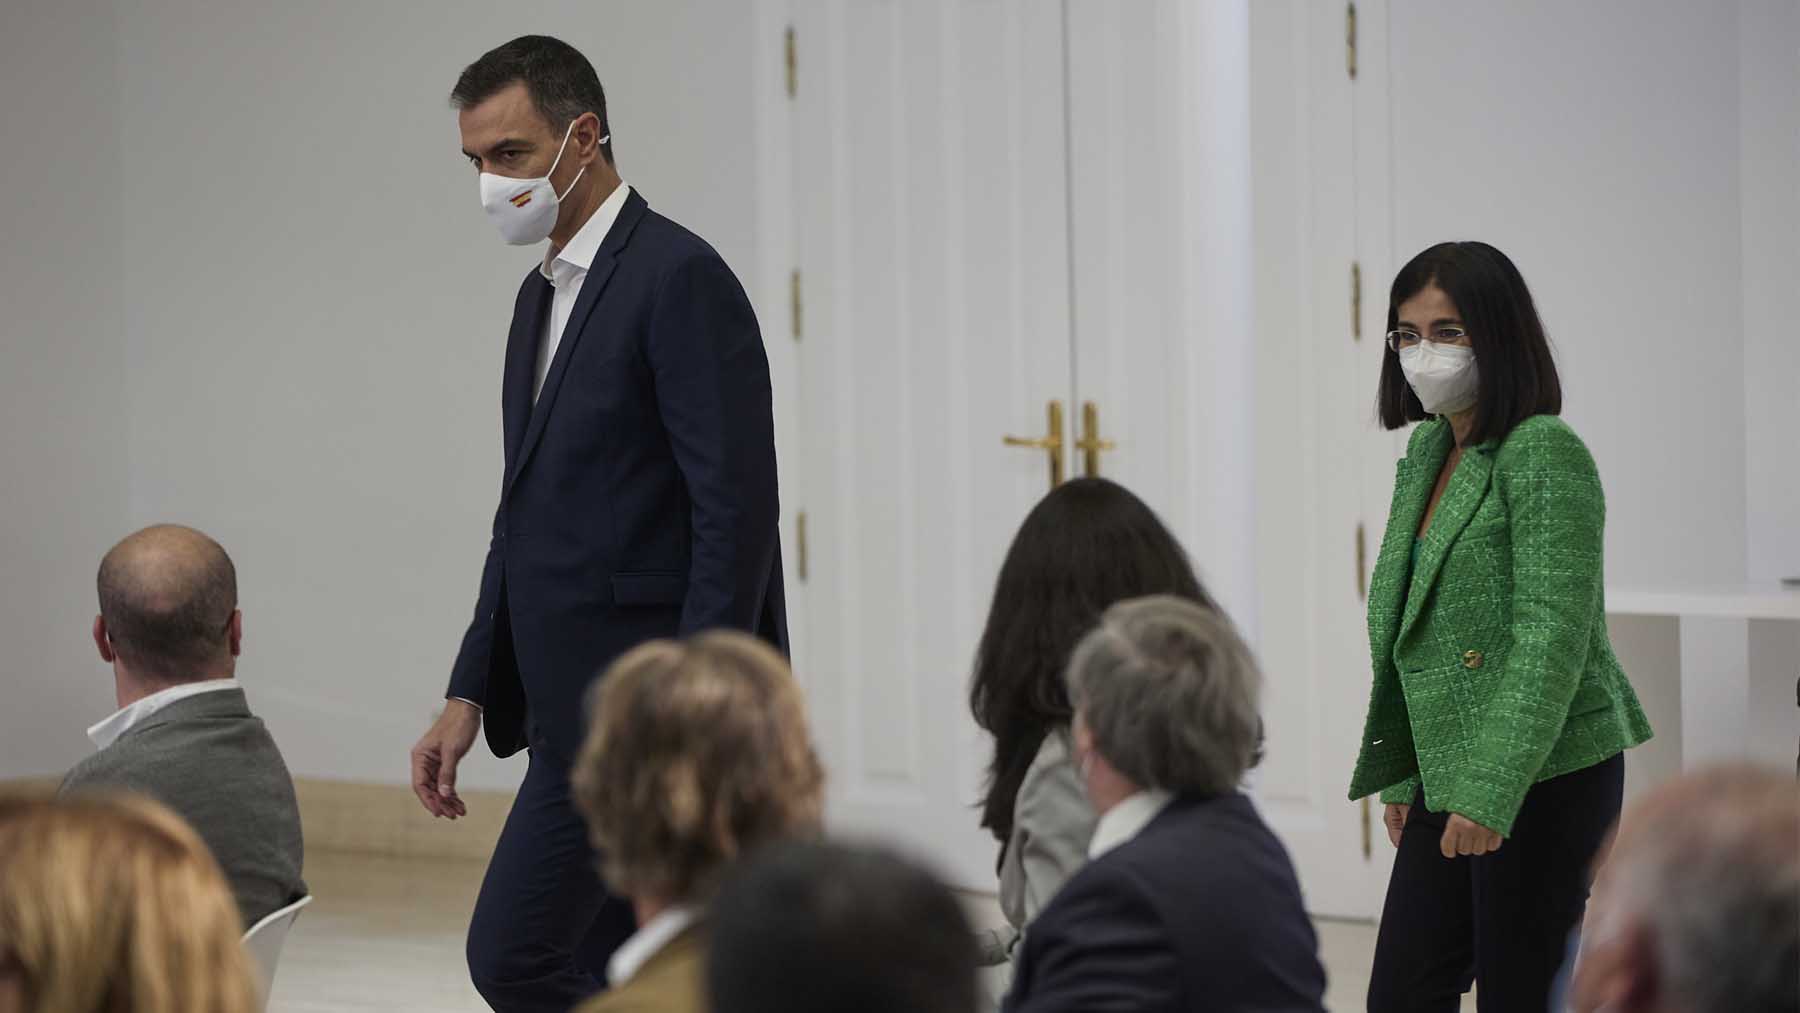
(1493, 670)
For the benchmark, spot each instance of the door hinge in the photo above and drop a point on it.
(793, 64)
(1362, 563)
(794, 305)
(1349, 40)
(1368, 831)
(800, 558)
(1355, 300)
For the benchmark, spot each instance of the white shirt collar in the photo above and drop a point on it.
(579, 253)
(648, 941)
(128, 717)
(1126, 820)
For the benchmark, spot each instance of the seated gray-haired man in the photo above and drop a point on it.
(1697, 909)
(1188, 902)
(170, 627)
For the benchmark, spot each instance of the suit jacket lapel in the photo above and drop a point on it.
(1467, 488)
(592, 287)
(521, 362)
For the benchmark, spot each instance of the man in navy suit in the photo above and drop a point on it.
(1188, 903)
(638, 500)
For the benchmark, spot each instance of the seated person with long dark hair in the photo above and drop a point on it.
(1088, 544)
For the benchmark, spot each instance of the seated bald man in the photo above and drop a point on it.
(170, 627)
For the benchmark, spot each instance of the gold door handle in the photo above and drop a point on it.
(1090, 443)
(1052, 441)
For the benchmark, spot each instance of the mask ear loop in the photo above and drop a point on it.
(564, 146)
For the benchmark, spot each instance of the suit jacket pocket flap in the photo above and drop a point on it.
(663, 587)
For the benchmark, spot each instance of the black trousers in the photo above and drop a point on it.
(544, 925)
(1500, 920)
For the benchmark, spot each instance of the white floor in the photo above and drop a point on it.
(386, 934)
(381, 934)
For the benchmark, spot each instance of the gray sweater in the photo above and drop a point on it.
(212, 761)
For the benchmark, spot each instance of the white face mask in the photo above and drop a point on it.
(1443, 376)
(524, 210)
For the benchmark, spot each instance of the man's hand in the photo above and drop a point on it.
(1464, 836)
(435, 758)
(1395, 818)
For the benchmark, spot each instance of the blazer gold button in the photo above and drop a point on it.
(1472, 659)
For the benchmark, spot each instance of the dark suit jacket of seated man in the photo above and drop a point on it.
(207, 757)
(1200, 911)
(637, 500)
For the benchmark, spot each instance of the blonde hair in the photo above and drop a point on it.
(111, 904)
(697, 752)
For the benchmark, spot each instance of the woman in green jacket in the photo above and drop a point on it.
(1499, 715)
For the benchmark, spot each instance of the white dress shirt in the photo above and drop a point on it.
(125, 718)
(565, 269)
(1126, 820)
(648, 941)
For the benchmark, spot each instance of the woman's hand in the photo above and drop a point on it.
(1464, 836)
(1395, 818)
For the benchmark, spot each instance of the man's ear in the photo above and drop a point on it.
(587, 138)
(1083, 736)
(103, 641)
(234, 631)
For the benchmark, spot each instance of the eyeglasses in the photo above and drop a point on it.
(1402, 339)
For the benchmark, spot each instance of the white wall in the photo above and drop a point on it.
(1769, 129)
(62, 431)
(314, 312)
(1597, 144)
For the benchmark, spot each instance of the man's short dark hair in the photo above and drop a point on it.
(167, 594)
(1516, 374)
(561, 82)
(814, 927)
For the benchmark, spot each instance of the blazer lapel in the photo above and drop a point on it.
(592, 287)
(1467, 488)
(521, 362)
(1413, 479)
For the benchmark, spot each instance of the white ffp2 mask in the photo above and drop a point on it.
(1443, 376)
(524, 210)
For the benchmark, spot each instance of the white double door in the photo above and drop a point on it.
(1001, 206)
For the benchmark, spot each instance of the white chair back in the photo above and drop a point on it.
(265, 939)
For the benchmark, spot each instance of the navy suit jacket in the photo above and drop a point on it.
(1199, 911)
(639, 498)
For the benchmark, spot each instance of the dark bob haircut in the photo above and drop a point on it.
(1517, 373)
